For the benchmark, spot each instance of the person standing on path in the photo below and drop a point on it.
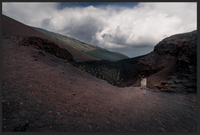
(143, 84)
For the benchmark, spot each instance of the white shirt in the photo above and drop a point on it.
(144, 82)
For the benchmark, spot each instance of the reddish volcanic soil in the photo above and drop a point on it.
(15, 29)
(42, 93)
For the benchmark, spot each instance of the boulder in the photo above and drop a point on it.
(161, 86)
(180, 48)
(191, 85)
(190, 90)
(177, 81)
(173, 86)
(168, 90)
(165, 82)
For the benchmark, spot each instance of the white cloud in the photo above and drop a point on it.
(29, 12)
(109, 27)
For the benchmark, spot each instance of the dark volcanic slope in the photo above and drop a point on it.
(48, 46)
(14, 29)
(92, 50)
(120, 73)
(37, 95)
(174, 61)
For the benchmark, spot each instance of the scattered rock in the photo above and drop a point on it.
(90, 127)
(194, 107)
(193, 79)
(6, 37)
(20, 126)
(42, 53)
(177, 81)
(169, 78)
(173, 86)
(157, 86)
(183, 81)
(73, 93)
(163, 82)
(166, 82)
(48, 46)
(185, 75)
(161, 86)
(191, 85)
(168, 90)
(111, 110)
(149, 64)
(190, 90)
(162, 129)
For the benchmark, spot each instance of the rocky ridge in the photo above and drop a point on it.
(48, 46)
(180, 48)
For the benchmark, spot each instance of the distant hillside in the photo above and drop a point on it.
(86, 48)
(119, 73)
(17, 30)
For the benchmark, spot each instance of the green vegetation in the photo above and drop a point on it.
(86, 48)
(65, 61)
(111, 75)
(116, 73)
(20, 38)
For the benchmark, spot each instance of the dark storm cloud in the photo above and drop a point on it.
(111, 27)
(84, 30)
(46, 22)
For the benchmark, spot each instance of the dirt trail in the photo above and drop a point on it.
(37, 95)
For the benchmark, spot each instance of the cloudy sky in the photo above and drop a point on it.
(131, 28)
